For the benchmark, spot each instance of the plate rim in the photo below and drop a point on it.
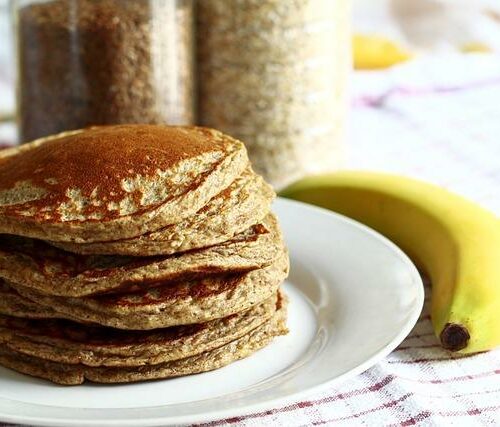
(240, 411)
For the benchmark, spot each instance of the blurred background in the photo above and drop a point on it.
(422, 99)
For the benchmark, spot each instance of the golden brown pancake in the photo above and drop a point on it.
(49, 270)
(244, 203)
(181, 303)
(70, 374)
(13, 304)
(69, 342)
(113, 182)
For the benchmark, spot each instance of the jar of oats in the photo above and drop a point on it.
(90, 62)
(274, 74)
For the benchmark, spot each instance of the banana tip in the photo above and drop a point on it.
(454, 337)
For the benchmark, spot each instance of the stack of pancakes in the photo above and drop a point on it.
(135, 252)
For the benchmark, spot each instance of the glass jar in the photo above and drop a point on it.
(89, 62)
(274, 74)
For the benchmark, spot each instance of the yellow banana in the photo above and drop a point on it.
(475, 47)
(371, 52)
(456, 242)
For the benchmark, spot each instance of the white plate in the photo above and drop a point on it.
(354, 296)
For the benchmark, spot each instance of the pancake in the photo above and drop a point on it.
(68, 342)
(244, 203)
(68, 374)
(182, 303)
(113, 182)
(52, 271)
(13, 304)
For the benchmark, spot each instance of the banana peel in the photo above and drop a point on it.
(456, 242)
(372, 52)
(475, 47)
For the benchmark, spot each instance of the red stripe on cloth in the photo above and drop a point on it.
(428, 359)
(453, 379)
(426, 334)
(426, 414)
(411, 347)
(424, 318)
(454, 396)
(475, 411)
(367, 411)
(414, 420)
(399, 91)
(304, 404)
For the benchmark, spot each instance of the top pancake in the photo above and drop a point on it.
(244, 203)
(113, 182)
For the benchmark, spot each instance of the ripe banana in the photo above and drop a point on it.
(456, 242)
(371, 52)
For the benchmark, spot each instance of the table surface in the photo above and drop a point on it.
(437, 119)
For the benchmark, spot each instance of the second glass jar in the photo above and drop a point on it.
(274, 74)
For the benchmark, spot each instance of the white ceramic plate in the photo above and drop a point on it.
(354, 296)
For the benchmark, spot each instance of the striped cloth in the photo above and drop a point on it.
(435, 119)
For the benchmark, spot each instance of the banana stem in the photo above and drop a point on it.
(454, 337)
